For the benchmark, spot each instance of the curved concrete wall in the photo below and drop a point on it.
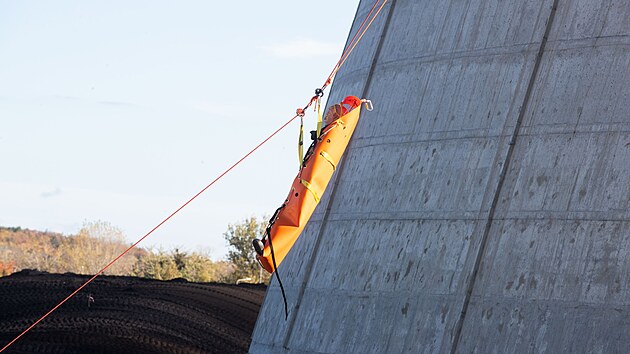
(484, 205)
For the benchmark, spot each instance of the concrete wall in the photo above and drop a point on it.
(484, 205)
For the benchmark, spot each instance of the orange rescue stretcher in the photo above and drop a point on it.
(316, 171)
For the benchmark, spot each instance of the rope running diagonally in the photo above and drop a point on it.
(345, 51)
(351, 45)
(150, 232)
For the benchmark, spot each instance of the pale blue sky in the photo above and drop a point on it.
(122, 110)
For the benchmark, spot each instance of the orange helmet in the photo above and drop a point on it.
(352, 101)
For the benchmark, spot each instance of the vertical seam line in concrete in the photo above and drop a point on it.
(502, 177)
(340, 169)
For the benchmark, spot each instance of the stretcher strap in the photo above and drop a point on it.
(301, 142)
(310, 189)
(325, 155)
(319, 117)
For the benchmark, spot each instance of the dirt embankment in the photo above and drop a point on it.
(126, 315)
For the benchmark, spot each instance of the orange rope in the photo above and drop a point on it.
(351, 45)
(150, 232)
(361, 36)
(351, 41)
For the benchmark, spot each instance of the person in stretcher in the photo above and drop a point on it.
(320, 161)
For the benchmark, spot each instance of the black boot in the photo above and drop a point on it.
(258, 246)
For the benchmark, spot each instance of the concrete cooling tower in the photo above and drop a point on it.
(484, 205)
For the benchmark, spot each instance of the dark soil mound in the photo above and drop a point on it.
(126, 315)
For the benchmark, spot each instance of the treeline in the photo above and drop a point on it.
(95, 245)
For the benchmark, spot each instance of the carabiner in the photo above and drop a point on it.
(368, 105)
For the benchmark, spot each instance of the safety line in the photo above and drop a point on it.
(352, 44)
(349, 45)
(150, 232)
(354, 41)
(361, 36)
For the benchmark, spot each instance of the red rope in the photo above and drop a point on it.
(353, 42)
(349, 48)
(150, 232)
(343, 59)
(353, 38)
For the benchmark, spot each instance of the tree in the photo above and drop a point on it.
(239, 237)
(157, 265)
(96, 244)
(192, 266)
(198, 267)
(6, 268)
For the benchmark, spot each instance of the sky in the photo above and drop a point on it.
(120, 111)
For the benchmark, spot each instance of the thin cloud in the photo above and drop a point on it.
(302, 47)
(64, 98)
(51, 194)
(89, 101)
(116, 103)
(218, 109)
